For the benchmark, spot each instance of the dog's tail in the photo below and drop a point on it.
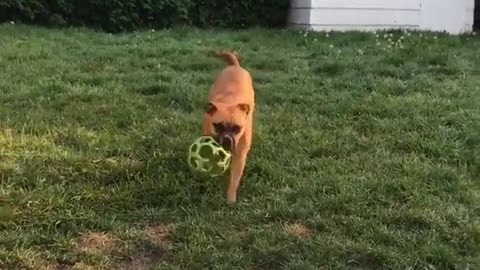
(229, 57)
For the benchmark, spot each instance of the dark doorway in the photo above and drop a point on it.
(476, 16)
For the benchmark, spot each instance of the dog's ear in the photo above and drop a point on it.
(244, 107)
(210, 108)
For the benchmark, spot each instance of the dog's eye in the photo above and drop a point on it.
(235, 129)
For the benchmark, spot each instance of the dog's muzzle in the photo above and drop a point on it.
(226, 141)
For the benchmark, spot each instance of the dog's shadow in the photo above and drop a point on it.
(172, 183)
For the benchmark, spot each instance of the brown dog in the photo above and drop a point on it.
(229, 116)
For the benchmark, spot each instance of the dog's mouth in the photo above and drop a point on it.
(226, 133)
(227, 141)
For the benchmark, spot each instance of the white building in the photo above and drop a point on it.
(452, 16)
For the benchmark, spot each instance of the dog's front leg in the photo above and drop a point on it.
(236, 172)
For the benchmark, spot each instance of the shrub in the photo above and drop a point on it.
(124, 15)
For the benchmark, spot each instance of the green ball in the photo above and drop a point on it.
(207, 156)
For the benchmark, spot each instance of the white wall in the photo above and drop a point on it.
(454, 16)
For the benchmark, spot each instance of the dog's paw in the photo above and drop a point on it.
(231, 199)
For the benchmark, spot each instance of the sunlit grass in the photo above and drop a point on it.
(365, 154)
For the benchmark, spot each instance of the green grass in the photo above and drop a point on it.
(364, 156)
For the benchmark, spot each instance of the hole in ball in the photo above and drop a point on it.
(193, 162)
(194, 148)
(206, 151)
(207, 140)
(216, 170)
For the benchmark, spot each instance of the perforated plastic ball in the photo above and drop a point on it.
(207, 156)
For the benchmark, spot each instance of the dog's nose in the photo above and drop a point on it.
(226, 142)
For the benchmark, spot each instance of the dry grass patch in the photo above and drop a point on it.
(298, 230)
(122, 163)
(106, 244)
(83, 266)
(96, 243)
(159, 234)
(59, 267)
(140, 261)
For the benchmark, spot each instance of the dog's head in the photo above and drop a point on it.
(227, 122)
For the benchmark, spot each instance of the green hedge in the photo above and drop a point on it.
(125, 15)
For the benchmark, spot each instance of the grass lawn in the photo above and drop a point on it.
(365, 153)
